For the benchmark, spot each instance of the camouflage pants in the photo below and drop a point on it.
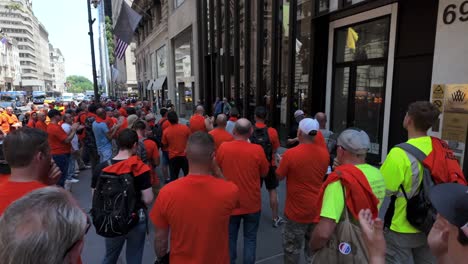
(296, 237)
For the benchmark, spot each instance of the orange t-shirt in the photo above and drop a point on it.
(123, 112)
(6, 122)
(274, 139)
(152, 152)
(165, 124)
(41, 125)
(31, 123)
(304, 167)
(57, 137)
(197, 123)
(220, 135)
(175, 138)
(12, 191)
(197, 210)
(244, 164)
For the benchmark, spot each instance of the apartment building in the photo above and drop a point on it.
(9, 64)
(57, 67)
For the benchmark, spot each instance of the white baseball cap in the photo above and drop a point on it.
(308, 125)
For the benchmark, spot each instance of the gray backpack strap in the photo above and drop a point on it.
(417, 153)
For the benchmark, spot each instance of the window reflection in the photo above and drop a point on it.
(363, 42)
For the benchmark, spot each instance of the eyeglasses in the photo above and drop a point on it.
(88, 226)
(339, 146)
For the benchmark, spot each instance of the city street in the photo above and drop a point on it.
(269, 248)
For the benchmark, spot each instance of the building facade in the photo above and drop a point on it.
(18, 22)
(361, 62)
(57, 68)
(167, 53)
(10, 68)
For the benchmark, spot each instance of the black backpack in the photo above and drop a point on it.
(114, 211)
(157, 132)
(260, 137)
(141, 151)
(90, 140)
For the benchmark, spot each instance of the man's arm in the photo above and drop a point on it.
(147, 196)
(161, 242)
(322, 233)
(72, 133)
(110, 134)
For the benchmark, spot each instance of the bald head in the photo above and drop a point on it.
(101, 113)
(221, 120)
(322, 119)
(243, 128)
(200, 149)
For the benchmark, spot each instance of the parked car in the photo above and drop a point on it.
(49, 100)
(38, 100)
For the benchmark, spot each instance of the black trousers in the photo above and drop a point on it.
(176, 164)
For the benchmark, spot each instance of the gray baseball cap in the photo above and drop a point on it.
(354, 140)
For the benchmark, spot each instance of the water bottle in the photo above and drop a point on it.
(141, 214)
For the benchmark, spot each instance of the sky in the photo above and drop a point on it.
(67, 24)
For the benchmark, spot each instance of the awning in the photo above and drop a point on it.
(159, 83)
(150, 85)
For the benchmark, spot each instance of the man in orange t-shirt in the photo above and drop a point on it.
(304, 167)
(175, 140)
(196, 210)
(12, 119)
(220, 134)
(198, 122)
(271, 182)
(27, 153)
(59, 142)
(244, 164)
(164, 123)
(40, 124)
(152, 151)
(32, 120)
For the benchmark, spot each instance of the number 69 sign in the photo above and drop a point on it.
(452, 12)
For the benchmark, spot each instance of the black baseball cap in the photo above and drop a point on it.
(53, 112)
(451, 201)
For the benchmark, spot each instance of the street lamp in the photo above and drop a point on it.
(91, 40)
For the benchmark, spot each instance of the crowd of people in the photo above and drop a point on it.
(213, 170)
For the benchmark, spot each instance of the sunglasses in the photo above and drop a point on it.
(88, 226)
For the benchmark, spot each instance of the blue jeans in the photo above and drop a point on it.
(105, 154)
(135, 246)
(71, 168)
(62, 162)
(251, 222)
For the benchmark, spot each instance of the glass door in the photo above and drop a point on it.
(359, 80)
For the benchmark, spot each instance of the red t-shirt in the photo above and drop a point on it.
(175, 138)
(274, 139)
(41, 125)
(12, 191)
(123, 112)
(197, 123)
(220, 135)
(197, 210)
(152, 153)
(304, 167)
(31, 123)
(57, 137)
(244, 164)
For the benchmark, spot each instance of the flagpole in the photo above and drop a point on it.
(93, 60)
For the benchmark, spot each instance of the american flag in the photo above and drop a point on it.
(120, 48)
(124, 29)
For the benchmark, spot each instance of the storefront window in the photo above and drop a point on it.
(359, 80)
(363, 42)
(183, 73)
(161, 62)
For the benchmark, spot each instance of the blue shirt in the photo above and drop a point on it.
(100, 130)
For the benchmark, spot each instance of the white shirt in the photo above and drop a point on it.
(67, 128)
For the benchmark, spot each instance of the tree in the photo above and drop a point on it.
(110, 40)
(78, 84)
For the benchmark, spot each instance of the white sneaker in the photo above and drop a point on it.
(73, 180)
